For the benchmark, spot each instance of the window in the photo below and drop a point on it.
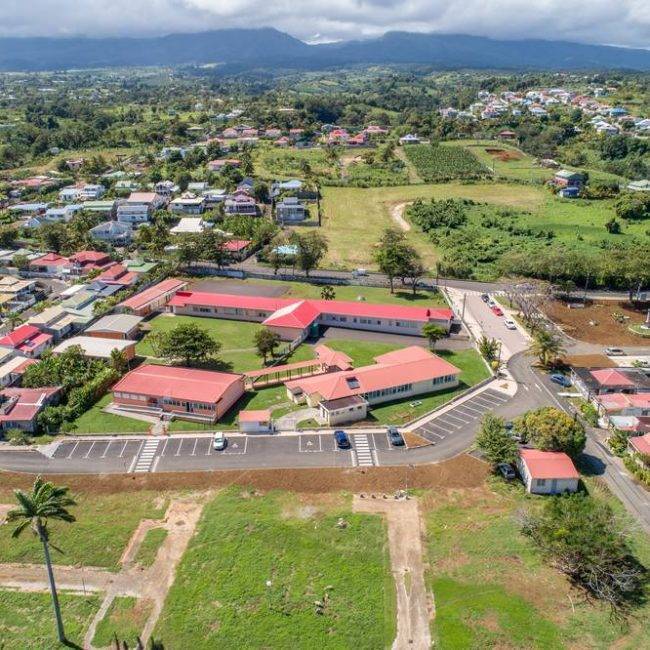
(541, 482)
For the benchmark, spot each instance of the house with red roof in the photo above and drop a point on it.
(346, 396)
(547, 472)
(50, 264)
(623, 404)
(117, 274)
(19, 407)
(27, 340)
(187, 393)
(152, 299)
(84, 262)
(639, 445)
(237, 249)
(601, 381)
(294, 318)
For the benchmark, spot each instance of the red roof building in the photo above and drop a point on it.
(84, 262)
(19, 407)
(27, 340)
(185, 392)
(50, 263)
(153, 298)
(117, 274)
(292, 318)
(547, 472)
(639, 444)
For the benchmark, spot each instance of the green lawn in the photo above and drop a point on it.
(148, 550)
(238, 352)
(362, 353)
(125, 618)
(27, 620)
(105, 523)
(94, 420)
(399, 412)
(493, 589)
(256, 566)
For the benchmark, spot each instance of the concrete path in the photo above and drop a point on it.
(414, 606)
(290, 421)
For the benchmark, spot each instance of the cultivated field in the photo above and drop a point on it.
(435, 164)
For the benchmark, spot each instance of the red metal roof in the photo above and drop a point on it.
(548, 464)
(50, 259)
(416, 364)
(177, 383)
(29, 402)
(640, 444)
(19, 335)
(236, 245)
(255, 416)
(611, 377)
(297, 315)
(87, 257)
(152, 293)
(618, 401)
(34, 342)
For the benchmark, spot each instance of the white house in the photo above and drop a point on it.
(139, 207)
(188, 203)
(409, 138)
(92, 192)
(70, 193)
(112, 232)
(256, 421)
(547, 472)
(192, 225)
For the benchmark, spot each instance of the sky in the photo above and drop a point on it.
(613, 22)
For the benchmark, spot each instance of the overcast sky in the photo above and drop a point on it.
(618, 22)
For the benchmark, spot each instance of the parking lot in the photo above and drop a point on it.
(462, 416)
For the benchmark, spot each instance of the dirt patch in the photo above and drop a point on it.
(413, 440)
(590, 361)
(604, 322)
(459, 472)
(414, 607)
(397, 214)
(241, 288)
(4, 509)
(504, 155)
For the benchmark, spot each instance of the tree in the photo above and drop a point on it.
(327, 292)
(433, 333)
(311, 248)
(550, 429)
(20, 261)
(413, 269)
(189, 343)
(393, 255)
(266, 342)
(488, 348)
(53, 236)
(495, 442)
(586, 542)
(547, 347)
(45, 502)
(14, 320)
(119, 361)
(7, 236)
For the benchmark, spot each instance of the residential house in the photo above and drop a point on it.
(27, 341)
(11, 371)
(591, 382)
(29, 208)
(50, 264)
(139, 207)
(188, 203)
(70, 193)
(55, 321)
(118, 275)
(113, 232)
(84, 262)
(639, 186)
(241, 203)
(547, 472)
(409, 138)
(186, 393)
(152, 299)
(566, 178)
(92, 192)
(116, 326)
(19, 407)
(618, 404)
(237, 249)
(106, 208)
(221, 163)
(191, 225)
(290, 210)
(639, 446)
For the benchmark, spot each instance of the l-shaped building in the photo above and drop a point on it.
(297, 319)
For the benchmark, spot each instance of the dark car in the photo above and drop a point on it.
(342, 440)
(485, 297)
(395, 437)
(506, 471)
(560, 379)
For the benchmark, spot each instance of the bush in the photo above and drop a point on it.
(641, 470)
(589, 413)
(550, 429)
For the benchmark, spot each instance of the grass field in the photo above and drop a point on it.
(104, 525)
(148, 550)
(27, 621)
(493, 589)
(94, 420)
(255, 568)
(125, 618)
(238, 352)
(284, 164)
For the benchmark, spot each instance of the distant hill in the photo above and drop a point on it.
(268, 48)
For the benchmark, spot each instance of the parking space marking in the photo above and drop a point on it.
(466, 405)
(180, 445)
(235, 445)
(196, 440)
(455, 417)
(310, 446)
(162, 453)
(106, 450)
(486, 402)
(209, 451)
(92, 444)
(73, 449)
(468, 414)
(126, 442)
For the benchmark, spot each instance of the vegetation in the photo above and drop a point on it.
(186, 342)
(124, 621)
(550, 429)
(496, 444)
(266, 342)
(148, 550)
(433, 333)
(547, 347)
(435, 163)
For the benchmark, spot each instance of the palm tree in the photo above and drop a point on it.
(488, 348)
(433, 333)
(327, 292)
(13, 320)
(547, 347)
(46, 501)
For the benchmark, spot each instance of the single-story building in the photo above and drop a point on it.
(255, 421)
(11, 371)
(27, 340)
(19, 407)
(601, 381)
(187, 393)
(55, 321)
(293, 319)
(115, 326)
(98, 348)
(190, 225)
(395, 375)
(547, 472)
(639, 445)
(153, 298)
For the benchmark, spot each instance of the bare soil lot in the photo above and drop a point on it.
(504, 155)
(597, 322)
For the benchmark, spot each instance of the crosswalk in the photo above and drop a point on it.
(362, 449)
(147, 454)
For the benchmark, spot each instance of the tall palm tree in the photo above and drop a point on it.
(13, 320)
(46, 501)
(547, 347)
(433, 334)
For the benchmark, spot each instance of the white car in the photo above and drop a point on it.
(614, 352)
(219, 441)
(510, 324)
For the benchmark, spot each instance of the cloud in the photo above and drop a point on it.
(626, 22)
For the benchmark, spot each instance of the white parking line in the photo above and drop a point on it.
(194, 448)
(73, 449)
(92, 444)
(455, 417)
(180, 444)
(106, 450)
(471, 408)
(471, 416)
(126, 442)
(162, 453)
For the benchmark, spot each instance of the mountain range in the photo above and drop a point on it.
(270, 48)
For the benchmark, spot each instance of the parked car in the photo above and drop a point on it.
(395, 437)
(485, 297)
(497, 311)
(342, 440)
(560, 379)
(219, 441)
(506, 471)
(510, 324)
(614, 352)
(491, 303)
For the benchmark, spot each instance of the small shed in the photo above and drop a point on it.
(256, 421)
(547, 472)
